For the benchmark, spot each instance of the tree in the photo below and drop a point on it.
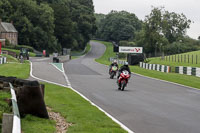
(35, 24)
(162, 28)
(117, 26)
(63, 25)
(82, 14)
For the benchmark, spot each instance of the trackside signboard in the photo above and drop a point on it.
(130, 49)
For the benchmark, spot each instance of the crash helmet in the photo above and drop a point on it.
(126, 63)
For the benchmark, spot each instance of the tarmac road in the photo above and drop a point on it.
(146, 105)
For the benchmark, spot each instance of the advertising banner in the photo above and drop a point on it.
(130, 49)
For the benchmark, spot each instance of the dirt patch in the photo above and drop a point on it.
(61, 124)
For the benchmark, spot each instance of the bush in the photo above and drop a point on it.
(179, 47)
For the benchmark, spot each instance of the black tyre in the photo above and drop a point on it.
(123, 85)
(112, 75)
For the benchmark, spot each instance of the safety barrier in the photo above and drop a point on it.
(16, 118)
(195, 71)
(3, 60)
(157, 67)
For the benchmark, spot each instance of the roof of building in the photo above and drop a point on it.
(8, 27)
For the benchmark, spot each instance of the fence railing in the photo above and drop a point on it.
(183, 58)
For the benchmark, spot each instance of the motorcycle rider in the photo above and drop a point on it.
(122, 68)
(113, 64)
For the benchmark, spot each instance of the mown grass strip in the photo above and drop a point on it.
(187, 80)
(32, 124)
(76, 110)
(15, 70)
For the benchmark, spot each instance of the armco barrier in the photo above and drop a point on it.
(16, 118)
(157, 67)
(13, 123)
(195, 71)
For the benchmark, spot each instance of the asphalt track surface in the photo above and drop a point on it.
(146, 106)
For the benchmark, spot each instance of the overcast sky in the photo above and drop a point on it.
(141, 8)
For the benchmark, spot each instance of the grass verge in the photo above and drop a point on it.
(187, 80)
(76, 54)
(15, 69)
(84, 117)
(32, 124)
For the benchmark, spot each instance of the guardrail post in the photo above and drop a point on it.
(7, 124)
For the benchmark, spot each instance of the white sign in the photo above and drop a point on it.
(130, 49)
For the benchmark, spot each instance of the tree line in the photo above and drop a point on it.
(51, 24)
(161, 31)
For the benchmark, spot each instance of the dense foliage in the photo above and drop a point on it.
(51, 24)
(117, 26)
(165, 32)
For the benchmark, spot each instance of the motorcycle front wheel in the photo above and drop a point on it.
(123, 84)
(112, 75)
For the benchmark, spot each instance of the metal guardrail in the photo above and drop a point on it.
(16, 117)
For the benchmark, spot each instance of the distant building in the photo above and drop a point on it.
(8, 31)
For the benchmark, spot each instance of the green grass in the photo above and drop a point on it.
(32, 124)
(108, 53)
(15, 69)
(187, 80)
(77, 54)
(84, 117)
(18, 52)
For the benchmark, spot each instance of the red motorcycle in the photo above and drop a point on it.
(123, 80)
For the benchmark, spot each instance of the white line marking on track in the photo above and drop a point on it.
(114, 119)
